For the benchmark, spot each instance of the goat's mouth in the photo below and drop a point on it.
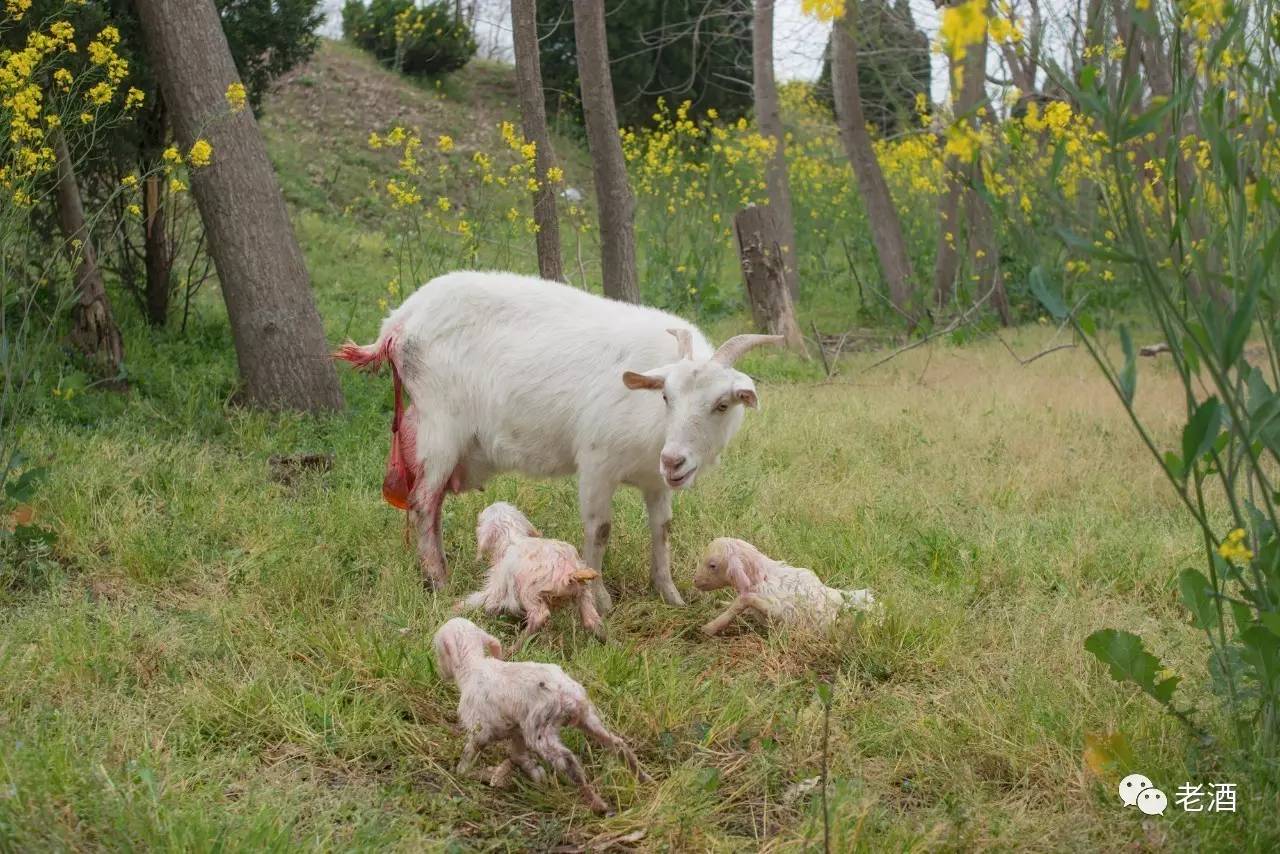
(681, 480)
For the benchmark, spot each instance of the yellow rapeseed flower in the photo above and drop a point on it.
(237, 97)
(201, 153)
(1233, 548)
(171, 155)
(444, 143)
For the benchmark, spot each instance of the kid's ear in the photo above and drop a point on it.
(635, 381)
(737, 573)
(493, 646)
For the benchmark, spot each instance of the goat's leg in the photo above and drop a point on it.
(591, 724)
(470, 751)
(720, 623)
(595, 500)
(658, 503)
(471, 603)
(590, 616)
(439, 473)
(547, 744)
(527, 762)
(536, 614)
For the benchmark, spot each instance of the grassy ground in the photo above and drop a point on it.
(215, 659)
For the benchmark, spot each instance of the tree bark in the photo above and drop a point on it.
(970, 75)
(769, 119)
(159, 259)
(761, 256)
(533, 119)
(886, 228)
(93, 331)
(278, 334)
(982, 224)
(613, 193)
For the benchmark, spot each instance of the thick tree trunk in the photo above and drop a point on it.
(158, 256)
(769, 119)
(278, 335)
(761, 256)
(613, 192)
(533, 116)
(93, 331)
(886, 228)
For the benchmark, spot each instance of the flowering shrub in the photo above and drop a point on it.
(690, 176)
(413, 39)
(1186, 209)
(450, 208)
(57, 89)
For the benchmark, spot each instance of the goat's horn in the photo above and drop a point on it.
(684, 341)
(734, 349)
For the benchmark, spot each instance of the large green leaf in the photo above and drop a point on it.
(1128, 376)
(1046, 293)
(1201, 430)
(1129, 661)
(1198, 596)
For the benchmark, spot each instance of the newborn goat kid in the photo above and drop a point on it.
(528, 575)
(523, 703)
(776, 592)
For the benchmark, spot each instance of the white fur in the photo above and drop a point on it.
(523, 703)
(513, 373)
(771, 589)
(528, 574)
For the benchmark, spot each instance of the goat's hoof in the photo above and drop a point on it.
(672, 598)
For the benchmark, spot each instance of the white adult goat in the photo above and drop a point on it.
(513, 373)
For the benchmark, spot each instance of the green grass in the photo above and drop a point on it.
(214, 660)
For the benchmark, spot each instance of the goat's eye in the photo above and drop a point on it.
(722, 406)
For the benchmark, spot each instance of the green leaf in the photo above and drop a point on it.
(1198, 596)
(1128, 661)
(1238, 331)
(1046, 293)
(1175, 465)
(1201, 430)
(1087, 325)
(1128, 376)
(1147, 121)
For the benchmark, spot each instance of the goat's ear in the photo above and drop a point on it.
(493, 646)
(736, 571)
(745, 392)
(635, 381)
(444, 659)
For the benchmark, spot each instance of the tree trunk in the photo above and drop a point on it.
(533, 117)
(159, 260)
(982, 224)
(966, 79)
(279, 337)
(986, 250)
(769, 119)
(886, 229)
(93, 332)
(761, 256)
(609, 168)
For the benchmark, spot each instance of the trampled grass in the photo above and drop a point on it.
(215, 659)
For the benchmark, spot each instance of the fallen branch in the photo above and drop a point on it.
(1154, 350)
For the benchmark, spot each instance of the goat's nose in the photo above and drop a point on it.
(673, 462)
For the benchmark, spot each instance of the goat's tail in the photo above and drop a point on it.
(367, 358)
